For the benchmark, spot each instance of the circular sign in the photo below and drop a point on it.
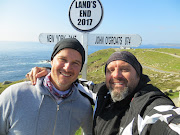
(85, 15)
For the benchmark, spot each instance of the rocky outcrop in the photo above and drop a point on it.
(6, 82)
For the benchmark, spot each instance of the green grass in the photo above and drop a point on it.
(162, 80)
(96, 63)
(78, 132)
(3, 87)
(173, 95)
(157, 60)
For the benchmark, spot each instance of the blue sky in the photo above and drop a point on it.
(156, 21)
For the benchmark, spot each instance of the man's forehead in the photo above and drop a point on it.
(118, 63)
(69, 50)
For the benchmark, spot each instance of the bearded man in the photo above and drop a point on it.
(127, 105)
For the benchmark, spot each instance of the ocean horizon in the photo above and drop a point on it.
(17, 58)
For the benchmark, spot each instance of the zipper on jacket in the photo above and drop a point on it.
(55, 119)
(57, 107)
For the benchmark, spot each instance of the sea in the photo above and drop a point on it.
(17, 58)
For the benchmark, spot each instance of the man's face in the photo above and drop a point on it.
(66, 66)
(121, 79)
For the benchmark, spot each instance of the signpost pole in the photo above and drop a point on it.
(85, 44)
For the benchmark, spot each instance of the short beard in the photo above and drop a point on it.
(119, 95)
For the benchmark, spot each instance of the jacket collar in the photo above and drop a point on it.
(40, 88)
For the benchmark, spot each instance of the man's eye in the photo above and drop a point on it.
(76, 63)
(63, 60)
(110, 70)
(125, 70)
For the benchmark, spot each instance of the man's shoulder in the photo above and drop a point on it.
(150, 96)
(80, 102)
(81, 97)
(150, 90)
(18, 88)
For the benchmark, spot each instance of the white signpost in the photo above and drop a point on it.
(53, 38)
(121, 40)
(86, 16)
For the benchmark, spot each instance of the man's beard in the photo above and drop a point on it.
(118, 95)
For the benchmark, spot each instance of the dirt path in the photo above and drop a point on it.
(161, 71)
(157, 70)
(166, 53)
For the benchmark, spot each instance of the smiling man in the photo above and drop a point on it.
(54, 106)
(121, 79)
(66, 65)
(127, 105)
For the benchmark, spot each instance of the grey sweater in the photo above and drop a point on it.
(31, 110)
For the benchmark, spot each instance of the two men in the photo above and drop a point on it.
(128, 105)
(54, 105)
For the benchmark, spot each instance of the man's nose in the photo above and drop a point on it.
(117, 74)
(67, 66)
